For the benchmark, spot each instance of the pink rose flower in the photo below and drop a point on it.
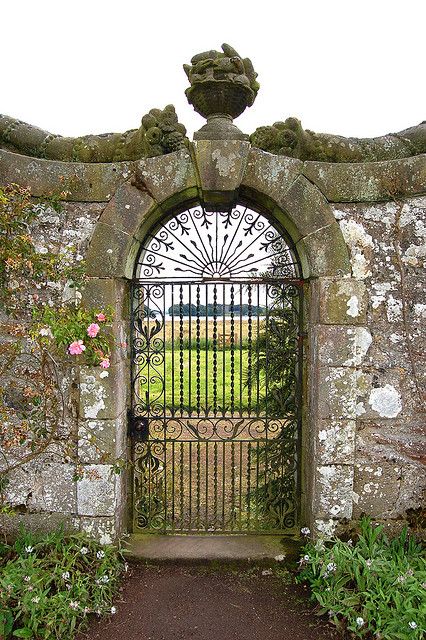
(93, 330)
(104, 363)
(100, 317)
(76, 347)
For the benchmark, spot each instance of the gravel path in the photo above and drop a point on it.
(198, 603)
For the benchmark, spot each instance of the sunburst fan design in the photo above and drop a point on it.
(202, 245)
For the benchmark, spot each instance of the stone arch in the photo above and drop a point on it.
(218, 173)
(273, 182)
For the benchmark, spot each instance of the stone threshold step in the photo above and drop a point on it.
(211, 548)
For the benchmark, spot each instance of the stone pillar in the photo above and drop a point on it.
(102, 433)
(338, 341)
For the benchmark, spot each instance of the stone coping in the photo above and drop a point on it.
(97, 182)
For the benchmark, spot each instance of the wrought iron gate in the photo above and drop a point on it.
(216, 376)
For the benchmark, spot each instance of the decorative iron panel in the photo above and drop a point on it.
(216, 376)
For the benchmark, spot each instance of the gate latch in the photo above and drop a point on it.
(138, 427)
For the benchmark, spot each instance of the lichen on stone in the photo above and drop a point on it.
(289, 138)
(159, 133)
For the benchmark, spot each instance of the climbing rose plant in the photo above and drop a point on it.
(75, 332)
(47, 333)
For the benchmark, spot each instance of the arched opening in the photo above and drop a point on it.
(216, 374)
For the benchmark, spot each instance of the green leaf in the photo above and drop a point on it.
(24, 632)
(6, 623)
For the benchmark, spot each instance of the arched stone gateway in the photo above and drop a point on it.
(268, 184)
(339, 244)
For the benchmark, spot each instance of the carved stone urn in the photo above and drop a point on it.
(223, 85)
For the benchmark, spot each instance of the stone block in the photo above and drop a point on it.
(96, 491)
(270, 175)
(336, 442)
(376, 489)
(122, 509)
(128, 209)
(412, 488)
(307, 208)
(324, 528)
(163, 177)
(100, 293)
(102, 529)
(102, 441)
(342, 301)
(342, 346)
(392, 393)
(54, 489)
(368, 181)
(337, 393)
(103, 398)
(325, 252)
(111, 253)
(221, 165)
(400, 440)
(20, 483)
(10, 525)
(87, 182)
(334, 488)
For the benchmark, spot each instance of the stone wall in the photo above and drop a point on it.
(359, 230)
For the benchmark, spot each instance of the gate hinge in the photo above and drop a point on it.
(138, 427)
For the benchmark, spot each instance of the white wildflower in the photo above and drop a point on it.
(331, 567)
(280, 558)
(66, 575)
(113, 610)
(74, 604)
(27, 578)
(105, 579)
(305, 531)
(360, 621)
(267, 572)
(368, 563)
(306, 558)
(36, 599)
(100, 554)
(412, 624)
(84, 551)
(29, 549)
(46, 332)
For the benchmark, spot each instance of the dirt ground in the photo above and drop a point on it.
(198, 603)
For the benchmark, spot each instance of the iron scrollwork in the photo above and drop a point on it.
(216, 356)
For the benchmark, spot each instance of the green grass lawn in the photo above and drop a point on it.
(191, 382)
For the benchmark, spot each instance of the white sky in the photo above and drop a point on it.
(346, 67)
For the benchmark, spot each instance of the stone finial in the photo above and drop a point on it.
(223, 85)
